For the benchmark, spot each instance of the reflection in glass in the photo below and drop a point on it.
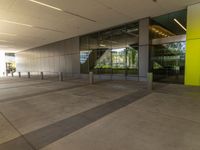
(168, 62)
(113, 51)
(167, 57)
(132, 60)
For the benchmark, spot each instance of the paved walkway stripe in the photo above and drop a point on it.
(49, 134)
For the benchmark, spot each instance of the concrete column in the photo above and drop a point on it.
(29, 75)
(19, 73)
(42, 75)
(144, 41)
(91, 77)
(60, 76)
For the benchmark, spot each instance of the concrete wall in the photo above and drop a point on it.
(192, 71)
(62, 56)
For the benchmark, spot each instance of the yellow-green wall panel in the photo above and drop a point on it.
(192, 70)
(192, 74)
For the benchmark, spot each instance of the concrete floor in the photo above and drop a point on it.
(109, 115)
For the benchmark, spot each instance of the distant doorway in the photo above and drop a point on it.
(10, 63)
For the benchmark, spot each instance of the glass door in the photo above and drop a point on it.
(168, 62)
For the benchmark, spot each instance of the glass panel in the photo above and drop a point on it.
(119, 61)
(84, 60)
(84, 51)
(168, 61)
(167, 57)
(119, 50)
(103, 63)
(132, 61)
(113, 51)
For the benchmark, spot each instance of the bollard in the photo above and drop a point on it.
(12, 74)
(42, 76)
(150, 81)
(91, 77)
(60, 76)
(19, 74)
(29, 75)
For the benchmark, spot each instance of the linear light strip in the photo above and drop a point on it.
(43, 4)
(56, 8)
(17, 23)
(27, 25)
(9, 34)
(4, 41)
(180, 24)
(46, 5)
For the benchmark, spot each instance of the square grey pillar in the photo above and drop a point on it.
(144, 41)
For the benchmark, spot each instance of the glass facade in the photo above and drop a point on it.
(167, 53)
(113, 51)
(168, 62)
(116, 51)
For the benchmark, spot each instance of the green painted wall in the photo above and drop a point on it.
(192, 71)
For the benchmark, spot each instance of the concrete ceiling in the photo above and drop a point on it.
(43, 25)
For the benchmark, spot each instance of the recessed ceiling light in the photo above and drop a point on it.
(17, 23)
(9, 34)
(43, 4)
(180, 24)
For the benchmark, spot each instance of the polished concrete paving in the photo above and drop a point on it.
(109, 115)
